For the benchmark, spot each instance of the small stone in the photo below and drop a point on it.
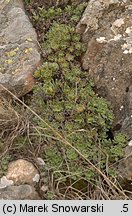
(44, 188)
(22, 192)
(4, 182)
(40, 161)
(21, 172)
(130, 143)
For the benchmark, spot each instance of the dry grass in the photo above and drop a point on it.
(9, 124)
(12, 125)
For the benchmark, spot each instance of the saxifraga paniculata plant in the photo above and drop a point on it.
(65, 98)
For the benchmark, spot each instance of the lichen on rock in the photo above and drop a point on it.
(19, 53)
(106, 28)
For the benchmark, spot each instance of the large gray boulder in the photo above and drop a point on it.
(125, 167)
(106, 29)
(19, 53)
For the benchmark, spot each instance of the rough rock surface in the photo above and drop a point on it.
(22, 192)
(19, 53)
(125, 166)
(22, 172)
(106, 28)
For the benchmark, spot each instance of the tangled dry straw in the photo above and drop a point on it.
(8, 116)
(12, 124)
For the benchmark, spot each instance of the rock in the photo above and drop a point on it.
(22, 192)
(125, 166)
(44, 188)
(106, 28)
(19, 53)
(40, 161)
(127, 123)
(4, 182)
(22, 172)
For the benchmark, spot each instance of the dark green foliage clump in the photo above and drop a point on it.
(42, 16)
(65, 98)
